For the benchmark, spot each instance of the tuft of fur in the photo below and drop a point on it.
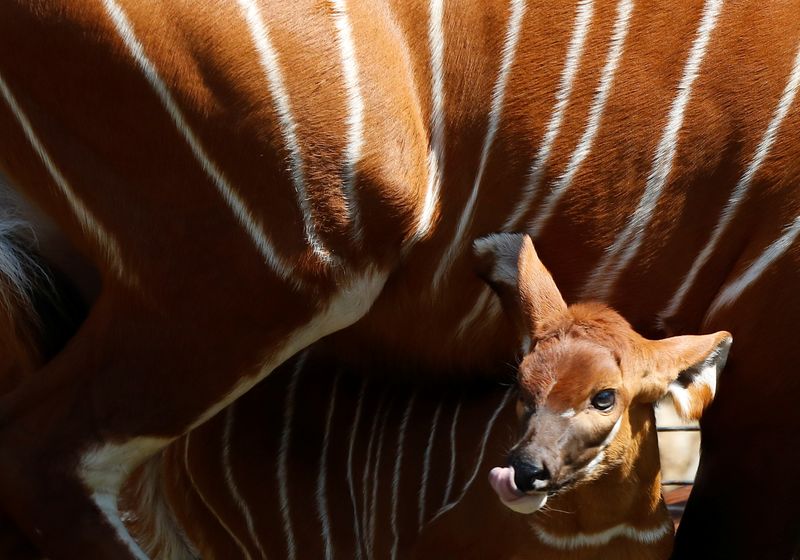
(40, 309)
(150, 519)
(21, 278)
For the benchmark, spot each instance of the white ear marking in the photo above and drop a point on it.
(705, 373)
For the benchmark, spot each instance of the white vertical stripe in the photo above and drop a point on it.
(373, 509)
(451, 475)
(734, 289)
(196, 488)
(109, 249)
(583, 18)
(426, 466)
(398, 462)
(484, 440)
(350, 484)
(365, 521)
(283, 457)
(268, 57)
(322, 476)
(740, 191)
(355, 110)
(483, 300)
(629, 240)
(234, 201)
(230, 481)
(109, 509)
(620, 32)
(436, 155)
(498, 97)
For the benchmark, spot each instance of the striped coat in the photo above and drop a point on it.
(247, 177)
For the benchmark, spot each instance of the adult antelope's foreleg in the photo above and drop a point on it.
(133, 379)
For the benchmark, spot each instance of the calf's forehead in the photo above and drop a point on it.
(565, 372)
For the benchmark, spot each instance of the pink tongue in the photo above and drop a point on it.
(502, 481)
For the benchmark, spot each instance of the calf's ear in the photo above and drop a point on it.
(508, 263)
(687, 368)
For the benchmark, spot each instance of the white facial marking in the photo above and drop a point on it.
(613, 433)
(585, 540)
(539, 484)
(569, 413)
(109, 248)
(234, 201)
(594, 463)
(583, 18)
(628, 241)
(624, 10)
(498, 98)
(740, 191)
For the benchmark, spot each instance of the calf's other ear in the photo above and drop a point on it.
(509, 264)
(687, 368)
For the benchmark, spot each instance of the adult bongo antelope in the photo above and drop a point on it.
(247, 177)
(365, 468)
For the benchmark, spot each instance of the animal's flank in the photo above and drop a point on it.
(583, 19)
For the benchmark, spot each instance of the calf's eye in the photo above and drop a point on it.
(604, 400)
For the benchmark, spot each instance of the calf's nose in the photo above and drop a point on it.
(527, 473)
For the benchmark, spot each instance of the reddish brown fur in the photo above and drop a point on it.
(478, 527)
(197, 308)
(578, 353)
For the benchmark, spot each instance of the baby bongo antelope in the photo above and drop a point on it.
(587, 385)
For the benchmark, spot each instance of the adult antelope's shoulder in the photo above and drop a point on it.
(241, 179)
